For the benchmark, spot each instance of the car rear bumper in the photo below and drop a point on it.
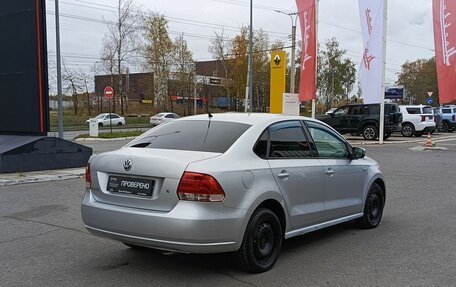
(425, 127)
(190, 227)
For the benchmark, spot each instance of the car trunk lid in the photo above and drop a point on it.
(141, 178)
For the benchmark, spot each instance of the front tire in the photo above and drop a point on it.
(373, 208)
(370, 132)
(262, 241)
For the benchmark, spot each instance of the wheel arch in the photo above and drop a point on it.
(409, 123)
(381, 183)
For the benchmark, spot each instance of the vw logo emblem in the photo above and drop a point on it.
(127, 165)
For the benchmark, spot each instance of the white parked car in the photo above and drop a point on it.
(106, 119)
(162, 118)
(417, 120)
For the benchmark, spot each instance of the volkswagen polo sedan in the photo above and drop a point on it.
(231, 182)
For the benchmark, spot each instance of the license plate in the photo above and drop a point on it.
(130, 185)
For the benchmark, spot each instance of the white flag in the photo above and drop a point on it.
(370, 72)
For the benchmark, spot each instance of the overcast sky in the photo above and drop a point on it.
(410, 31)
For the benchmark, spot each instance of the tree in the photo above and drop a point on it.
(261, 55)
(121, 43)
(418, 78)
(238, 63)
(183, 59)
(336, 74)
(158, 51)
(71, 83)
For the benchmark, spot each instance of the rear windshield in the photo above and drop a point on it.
(446, 111)
(206, 136)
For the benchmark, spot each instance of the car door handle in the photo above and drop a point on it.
(329, 172)
(283, 174)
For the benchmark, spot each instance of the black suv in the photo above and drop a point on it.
(364, 119)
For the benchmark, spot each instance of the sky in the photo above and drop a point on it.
(409, 32)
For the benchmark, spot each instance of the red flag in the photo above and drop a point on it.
(307, 19)
(445, 48)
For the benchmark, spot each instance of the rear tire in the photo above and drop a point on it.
(370, 132)
(262, 242)
(100, 124)
(407, 130)
(373, 208)
(119, 124)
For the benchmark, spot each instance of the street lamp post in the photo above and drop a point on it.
(59, 70)
(294, 19)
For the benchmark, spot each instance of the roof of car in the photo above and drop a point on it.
(245, 118)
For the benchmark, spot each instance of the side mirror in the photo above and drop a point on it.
(359, 152)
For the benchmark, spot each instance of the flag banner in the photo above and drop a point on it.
(308, 80)
(445, 48)
(370, 71)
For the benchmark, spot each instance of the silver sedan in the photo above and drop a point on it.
(231, 182)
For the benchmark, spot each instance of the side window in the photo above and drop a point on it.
(114, 116)
(261, 147)
(341, 111)
(374, 109)
(170, 116)
(287, 140)
(328, 144)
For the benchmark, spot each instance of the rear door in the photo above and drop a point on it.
(343, 177)
(298, 175)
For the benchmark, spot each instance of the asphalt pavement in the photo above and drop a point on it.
(43, 241)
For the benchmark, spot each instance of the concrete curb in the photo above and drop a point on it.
(38, 176)
(421, 140)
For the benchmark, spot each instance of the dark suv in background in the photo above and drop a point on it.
(364, 119)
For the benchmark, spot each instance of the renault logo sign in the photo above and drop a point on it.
(127, 165)
(277, 59)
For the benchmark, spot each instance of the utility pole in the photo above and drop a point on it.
(294, 18)
(59, 69)
(194, 92)
(248, 89)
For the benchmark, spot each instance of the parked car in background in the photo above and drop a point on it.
(107, 119)
(417, 120)
(364, 119)
(448, 118)
(231, 182)
(162, 118)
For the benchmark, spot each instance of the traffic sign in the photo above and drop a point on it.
(430, 94)
(108, 92)
(429, 101)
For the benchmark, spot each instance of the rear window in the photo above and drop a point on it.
(446, 111)
(413, 111)
(206, 136)
(427, 110)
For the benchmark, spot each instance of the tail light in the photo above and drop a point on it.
(88, 177)
(199, 187)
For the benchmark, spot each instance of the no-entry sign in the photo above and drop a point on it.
(108, 92)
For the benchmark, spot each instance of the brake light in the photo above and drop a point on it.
(88, 177)
(199, 187)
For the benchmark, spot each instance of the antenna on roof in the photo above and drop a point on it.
(207, 111)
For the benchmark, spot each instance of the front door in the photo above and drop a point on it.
(343, 176)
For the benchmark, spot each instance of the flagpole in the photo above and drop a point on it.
(382, 95)
(317, 4)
